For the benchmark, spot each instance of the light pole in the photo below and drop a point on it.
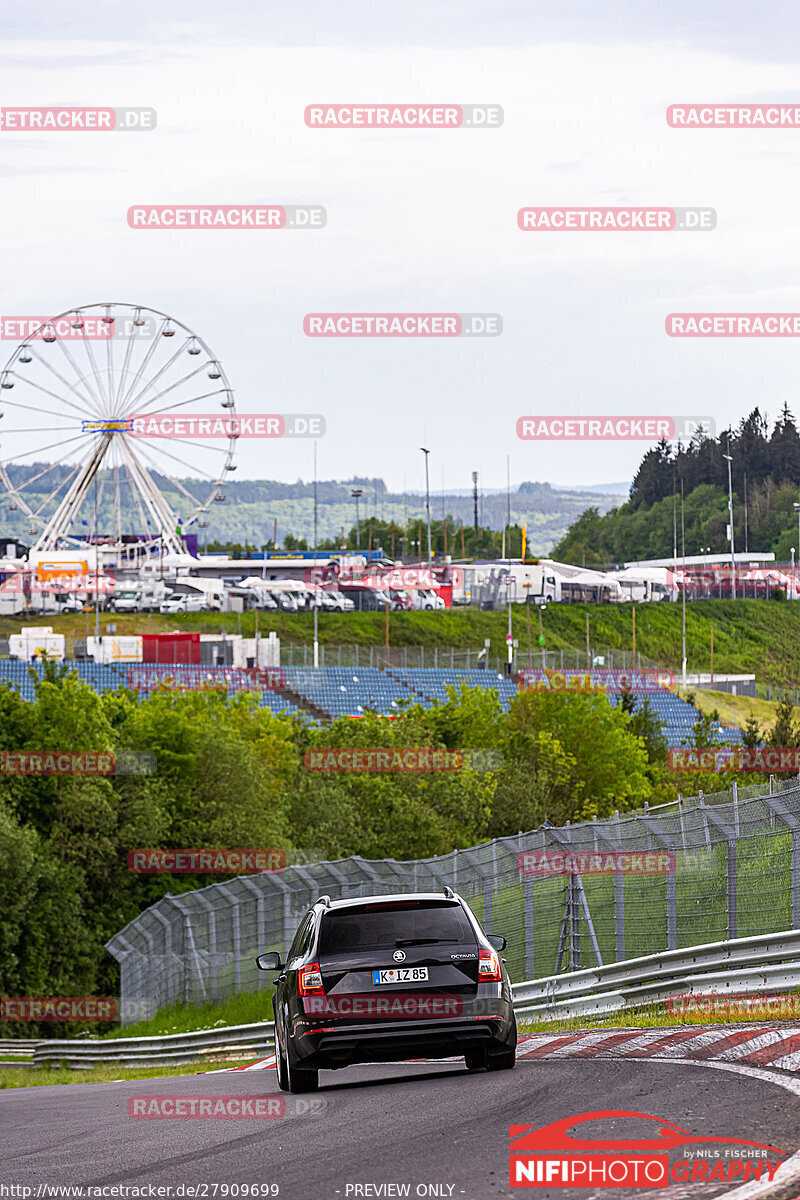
(730, 514)
(683, 589)
(796, 508)
(316, 571)
(542, 608)
(356, 493)
(427, 500)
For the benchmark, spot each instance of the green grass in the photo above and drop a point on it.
(750, 636)
(734, 710)
(45, 1076)
(245, 1008)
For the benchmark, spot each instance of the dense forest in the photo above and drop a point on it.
(765, 477)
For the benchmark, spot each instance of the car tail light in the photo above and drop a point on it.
(489, 970)
(309, 981)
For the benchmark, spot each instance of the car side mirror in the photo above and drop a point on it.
(271, 961)
(497, 940)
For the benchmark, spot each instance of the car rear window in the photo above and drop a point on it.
(379, 925)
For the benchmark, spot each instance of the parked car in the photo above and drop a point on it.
(181, 602)
(127, 601)
(71, 604)
(426, 599)
(330, 600)
(386, 979)
(285, 601)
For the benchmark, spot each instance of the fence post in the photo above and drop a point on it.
(778, 808)
(527, 928)
(575, 925)
(672, 911)
(619, 906)
(731, 897)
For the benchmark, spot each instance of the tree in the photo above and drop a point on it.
(610, 763)
(751, 736)
(783, 732)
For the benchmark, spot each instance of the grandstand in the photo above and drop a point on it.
(330, 692)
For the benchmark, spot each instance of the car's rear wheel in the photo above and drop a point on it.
(299, 1079)
(280, 1067)
(504, 1061)
(476, 1060)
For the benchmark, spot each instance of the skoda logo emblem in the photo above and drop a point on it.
(399, 956)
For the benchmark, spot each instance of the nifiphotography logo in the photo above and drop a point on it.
(551, 1156)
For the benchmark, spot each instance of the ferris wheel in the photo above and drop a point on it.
(116, 424)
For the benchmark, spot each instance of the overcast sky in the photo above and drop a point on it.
(420, 221)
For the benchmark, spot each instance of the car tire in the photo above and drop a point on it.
(506, 1060)
(299, 1079)
(477, 1060)
(280, 1067)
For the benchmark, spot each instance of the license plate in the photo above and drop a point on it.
(401, 975)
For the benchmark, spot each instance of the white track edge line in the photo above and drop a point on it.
(790, 1168)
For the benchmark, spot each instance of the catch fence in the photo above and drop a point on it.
(457, 659)
(703, 869)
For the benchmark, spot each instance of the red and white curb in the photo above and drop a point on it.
(263, 1064)
(749, 1045)
(757, 1046)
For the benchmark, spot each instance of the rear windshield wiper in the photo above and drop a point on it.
(422, 941)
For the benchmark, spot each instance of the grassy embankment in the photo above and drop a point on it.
(750, 636)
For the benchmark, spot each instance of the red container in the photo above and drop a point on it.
(171, 647)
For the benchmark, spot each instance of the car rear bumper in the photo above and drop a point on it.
(342, 1044)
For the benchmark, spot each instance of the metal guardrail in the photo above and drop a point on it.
(752, 964)
(233, 1041)
(18, 1045)
(749, 964)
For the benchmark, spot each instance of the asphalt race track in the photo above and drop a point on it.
(407, 1124)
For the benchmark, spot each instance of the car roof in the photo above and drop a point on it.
(388, 898)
